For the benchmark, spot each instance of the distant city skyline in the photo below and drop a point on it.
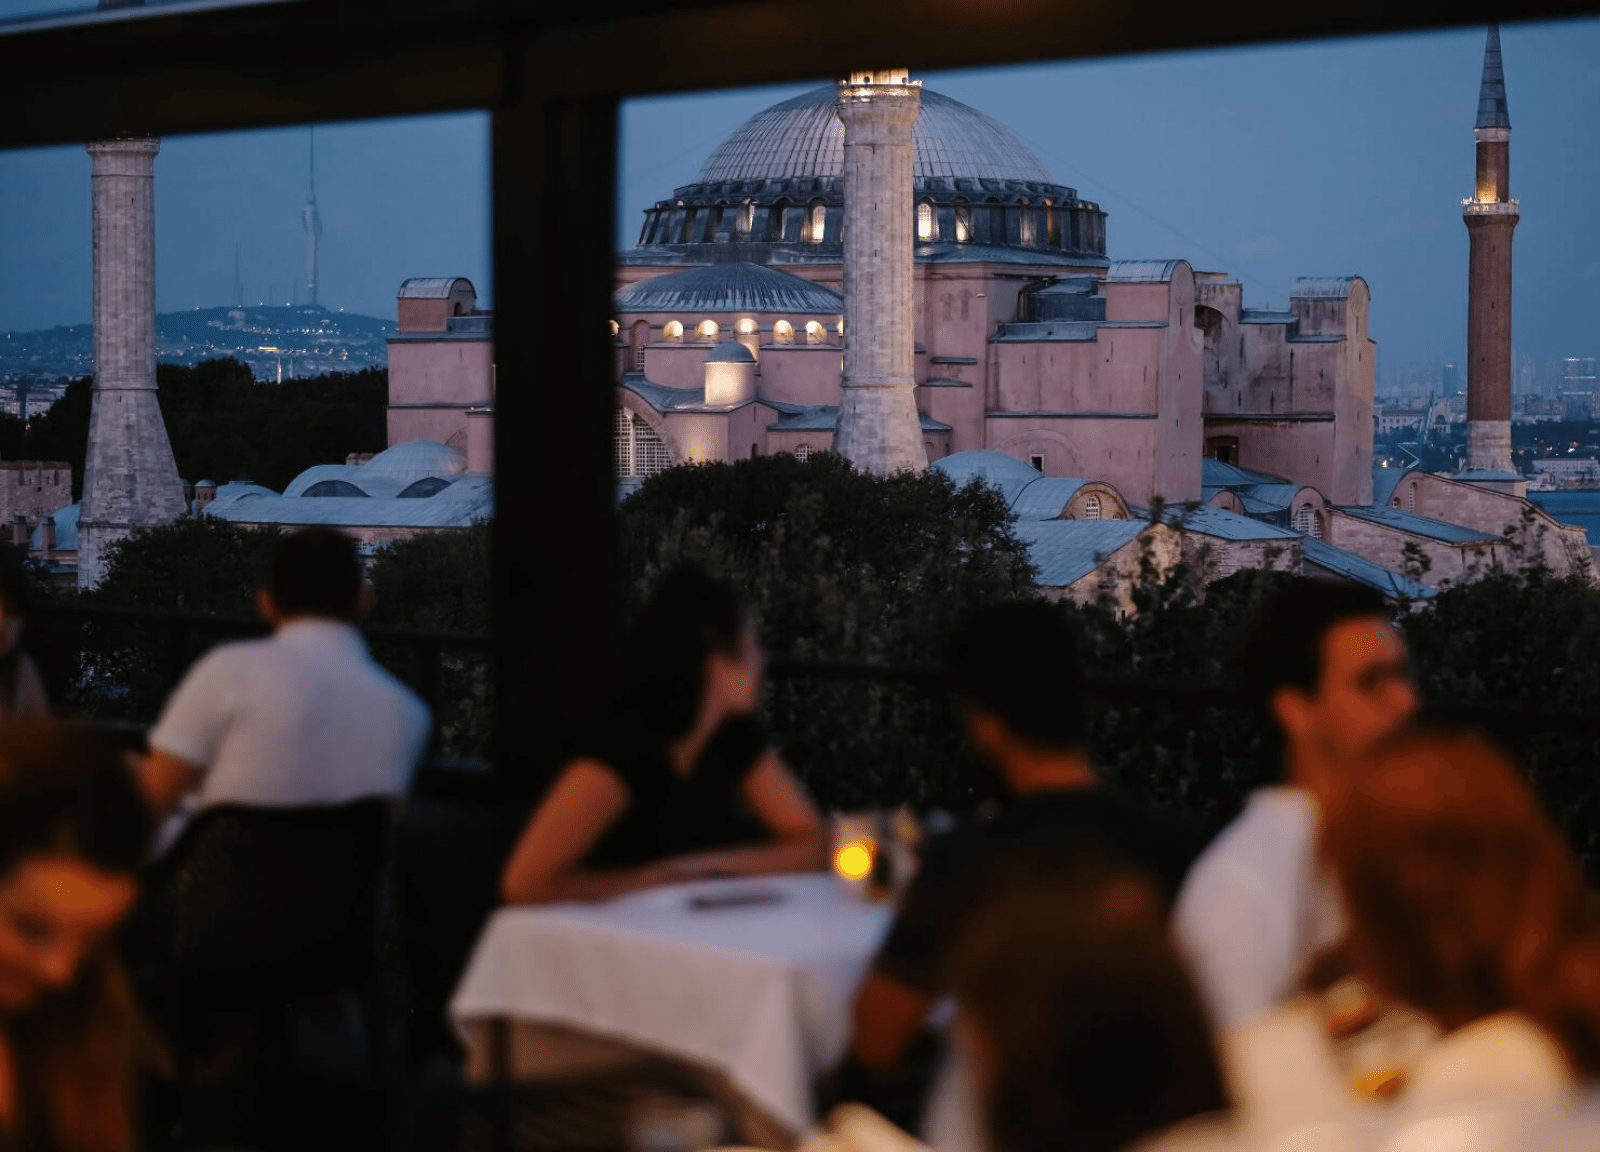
(1268, 163)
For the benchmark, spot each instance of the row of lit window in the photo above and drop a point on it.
(708, 330)
(814, 225)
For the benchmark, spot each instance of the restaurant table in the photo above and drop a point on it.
(757, 995)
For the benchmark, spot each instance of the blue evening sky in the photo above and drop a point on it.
(1269, 163)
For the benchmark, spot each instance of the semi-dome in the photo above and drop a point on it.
(731, 352)
(803, 137)
(733, 287)
(773, 193)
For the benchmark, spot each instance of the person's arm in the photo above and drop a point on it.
(166, 779)
(797, 841)
(545, 867)
(886, 1017)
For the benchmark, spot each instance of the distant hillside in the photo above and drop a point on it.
(273, 341)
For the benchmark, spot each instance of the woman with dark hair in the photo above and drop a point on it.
(1465, 904)
(681, 784)
(22, 691)
(74, 832)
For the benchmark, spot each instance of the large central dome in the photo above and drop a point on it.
(773, 193)
(803, 137)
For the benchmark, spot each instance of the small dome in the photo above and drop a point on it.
(731, 352)
(984, 464)
(434, 287)
(413, 460)
(732, 287)
(212, 484)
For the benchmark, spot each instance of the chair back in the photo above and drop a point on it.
(278, 894)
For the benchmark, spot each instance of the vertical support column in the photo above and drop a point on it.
(555, 579)
(879, 429)
(129, 478)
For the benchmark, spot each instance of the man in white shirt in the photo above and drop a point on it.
(1326, 665)
(303, 717)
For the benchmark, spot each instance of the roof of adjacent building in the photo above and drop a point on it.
(1425, 526)
(1266, 316)
(803, 137)
(1322, 287)
(823, 418)
(730, 287)
(1046, 497)
(1341, 562)
(1217, 474)
(1142, 271)
(66, 521)
(1492, 109)
(467, 498)
(1223, 524)
(951, 252)
(1385, 481)
(1065, 551)
(432, 287)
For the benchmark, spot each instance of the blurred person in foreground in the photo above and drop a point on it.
(1080, 1026)
(1325, 665)
(682, 782)
(1015, 676)
(22, 691)
(1465, 904)
(74, 832)
(303, 717)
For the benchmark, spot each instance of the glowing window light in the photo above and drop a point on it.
(745, 327)
(815, 332)
(925, 228)
(673, 331)
(707, 330)
(783, 332)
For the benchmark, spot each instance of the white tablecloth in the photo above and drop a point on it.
(759, 993)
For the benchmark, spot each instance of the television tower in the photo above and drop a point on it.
(313, 223)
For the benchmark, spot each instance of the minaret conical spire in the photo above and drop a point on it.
(1492, 111)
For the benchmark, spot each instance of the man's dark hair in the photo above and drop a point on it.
(689, 615)
(1020, 662)
(1283, 647)
(316, 572)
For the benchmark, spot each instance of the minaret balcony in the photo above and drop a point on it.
(1491, 207)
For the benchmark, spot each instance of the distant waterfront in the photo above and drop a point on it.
(1580, 507)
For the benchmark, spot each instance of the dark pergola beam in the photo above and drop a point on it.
(175, 70)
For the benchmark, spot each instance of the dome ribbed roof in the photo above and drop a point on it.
(732, 287)
(803, 137)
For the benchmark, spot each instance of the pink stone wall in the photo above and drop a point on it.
(443, 378)
(1455, 563)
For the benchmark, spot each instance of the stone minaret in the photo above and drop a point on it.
(1491, 215)
(879, 430)
(129, 479)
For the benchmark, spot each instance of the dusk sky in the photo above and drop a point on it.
(1269, 163)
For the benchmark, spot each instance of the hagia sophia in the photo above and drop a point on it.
(878, 270)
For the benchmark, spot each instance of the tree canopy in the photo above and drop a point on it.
(225, 425)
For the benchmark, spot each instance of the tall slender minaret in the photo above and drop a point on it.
(313, 223)
(1491, 214)
(129, 478)
(879, 430)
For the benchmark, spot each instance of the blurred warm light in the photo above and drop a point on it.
(853, 860)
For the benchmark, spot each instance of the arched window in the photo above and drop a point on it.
(804, 453)
(745, 327)
(707, 330)
(747, 218)
(1411, 497)
(639, 337)
(1307, 521)
(673, 332)
(687, 234)
(616, 329)
(775, 220)
(783, 332)
(639, 450)
(815, 332)
(1025, 223)
(1052, 225)
(817, 221)
(926, 228)
(839, 327)
(1091, 507)
(963, 222)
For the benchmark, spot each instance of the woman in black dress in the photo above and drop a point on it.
(681, 783)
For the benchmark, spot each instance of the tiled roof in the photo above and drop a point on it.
(1224, 525)
(1216, 474)
(1425, 526)
(1341, 562)
(1045, 498)
(1065, 551)
(1141, 271)
(731, 287)
(1322, 287)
